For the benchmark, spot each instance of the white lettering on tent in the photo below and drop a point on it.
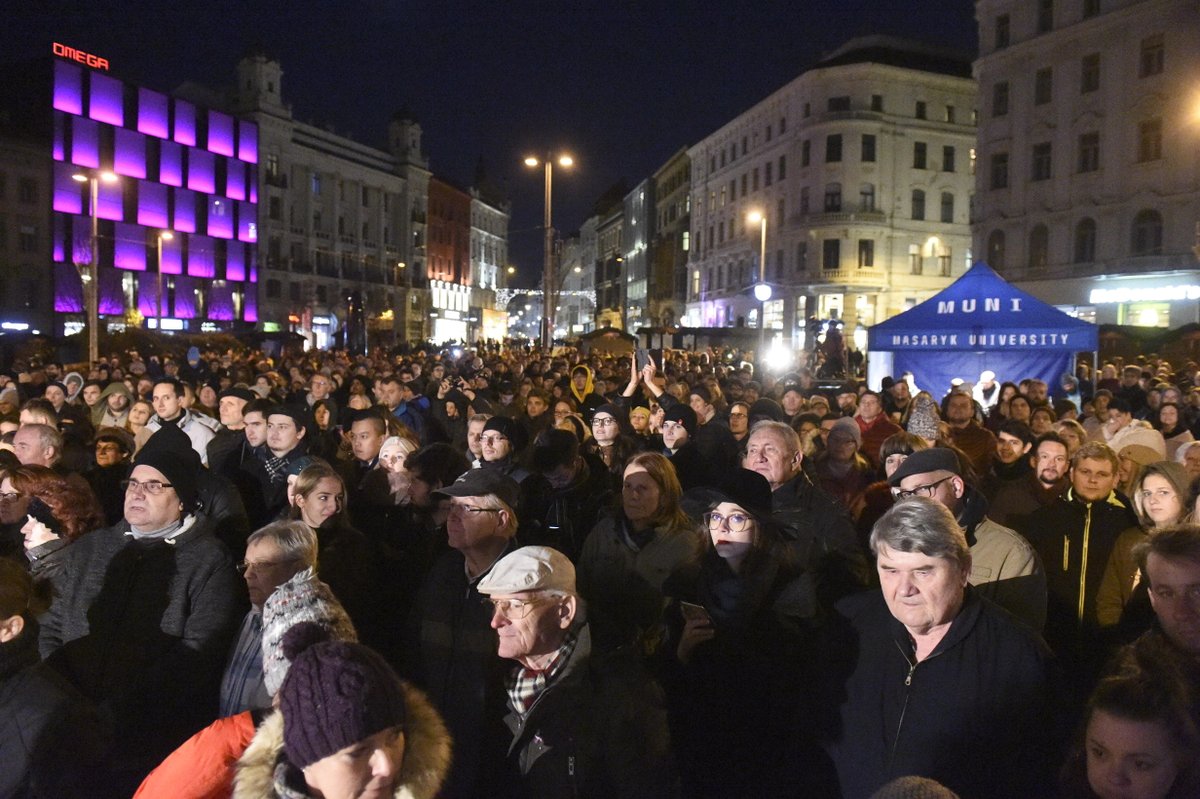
(991, 304)
(945, 307)
(968, 306)
(1019, 340)
(1016, 304)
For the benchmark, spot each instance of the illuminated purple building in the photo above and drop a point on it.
(181, 170)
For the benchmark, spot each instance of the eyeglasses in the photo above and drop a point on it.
(736, 522)
(515, 608)
(10, 496)
(604, 421)
(470, 509)
(492, 441)
(151, 487)
(259, 566)
(920, 491)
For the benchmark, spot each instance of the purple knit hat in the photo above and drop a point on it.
(335, 694)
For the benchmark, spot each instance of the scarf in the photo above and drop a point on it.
(525, 685)
(168, 533)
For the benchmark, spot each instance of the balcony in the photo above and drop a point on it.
(344, 239)
(276, 179)
(859, 278)
(844, 218)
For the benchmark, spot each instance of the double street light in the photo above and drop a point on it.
(548, 301)
(90, 276)
(762, 291)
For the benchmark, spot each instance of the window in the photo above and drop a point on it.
(275, 208)
(744, 143)
(876, 102)
(944, 258)
(918, 204)
(1089, 73)
(868, 148)
(1045, 16)
(807, 110)
(27, 191)
(712, 163)
(920, 112)
(804, 200)
(950, 114)
(1147, 233)
(768, 173)
(315, 183)
(753, 187)
(805, 152)
(1040, 163)
(1150, 140)
(782, 167)
(272, 165)
(294, 292)
(995, 249)
(866, 197)
(274, 289)
(1003, 32)
(971, 158)
(831, 254)
(1039, 247)
(1089, 152)
(914, 259)
(322, 294)
(722, 157)
(947, 158)
(999, 171)
(782, 125)
(1090, 8)
(1043, 86)
(366, 197)
(779, 209)
(839, 103)
(27, 241)
(1000, 99)
(919, 155)
(833, 148)
(947, 207)
(769, 132)
(1085, 241)
(866, 253)
(1151, 60)
(833, 198)
(802, 257)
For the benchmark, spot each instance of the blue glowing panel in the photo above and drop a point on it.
(247, 223)
(107, 101)
(235, 262)
(85, 143)
(68, 289)
(185, 211)
(220, 217)
(129, 249)
(112, 294)
(200, 172)
(152, 205)
(253, 265)
(111, 203)
(79, 231)
(148, 297)
(185, 123)
(152, 114)
(68, 192)
(250, 305)
(235, 180)
(129, 153)
(253, 188)
(68, 88)
(185, 298)
(220, 303)
(220, 133)
(172, 260)
(248, 142)
(201, 260)
(59, 146)
(170, 169)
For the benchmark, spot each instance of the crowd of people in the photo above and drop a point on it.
(503, 572)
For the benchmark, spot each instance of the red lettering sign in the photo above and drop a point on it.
(73, 54)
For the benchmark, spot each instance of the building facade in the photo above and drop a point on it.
(448, 259)
(861, 168)
(609, 267)
(489, 261)
(637, 235)
(671, 242)
(1088, 187)
(26, 269)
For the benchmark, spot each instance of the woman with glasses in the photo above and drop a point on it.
(613, 441)
(744, 616)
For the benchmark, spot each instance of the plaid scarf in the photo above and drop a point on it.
(526, 685)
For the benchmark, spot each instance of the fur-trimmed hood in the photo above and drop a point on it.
(426, 754)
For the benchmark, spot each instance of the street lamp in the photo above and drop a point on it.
(163, 235)
(532, 162)
(91, 276)
(762, 291)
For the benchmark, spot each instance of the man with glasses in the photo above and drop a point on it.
(274, 555)
(452, 654)
(503, 441)
(1004, 566)
(581, 725)
(145, 615)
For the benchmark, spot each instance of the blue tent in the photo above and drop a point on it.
(979, 322)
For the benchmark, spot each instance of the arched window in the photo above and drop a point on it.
(1085, 241)
(1147, 233)
(995, 249)
(1039, 247)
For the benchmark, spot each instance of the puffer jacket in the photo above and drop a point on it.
(264, 772)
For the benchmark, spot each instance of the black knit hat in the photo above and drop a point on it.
(684, 415)
(301, 416)
(510, 429)
(170, 451)
(748, 489)
(335, 694)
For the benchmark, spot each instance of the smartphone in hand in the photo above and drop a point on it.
(692, 611)
(643, 359)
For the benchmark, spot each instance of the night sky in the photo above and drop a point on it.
(621, 85)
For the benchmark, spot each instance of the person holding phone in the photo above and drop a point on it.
(739, 655)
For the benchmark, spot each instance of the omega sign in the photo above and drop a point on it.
(68, 52)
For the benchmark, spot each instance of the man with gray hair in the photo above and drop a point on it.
(38, 445)
(582, 725)
(933, 680)
(274, 554)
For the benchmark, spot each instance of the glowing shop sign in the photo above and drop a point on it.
(71, 53)
(1157, 294)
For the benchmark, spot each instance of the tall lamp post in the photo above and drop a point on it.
(548, 302)
(762, 291)
(163, 235)
(91, 276)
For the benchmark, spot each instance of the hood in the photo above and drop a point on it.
(588, 387)
(115, 388)
(426, 754)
